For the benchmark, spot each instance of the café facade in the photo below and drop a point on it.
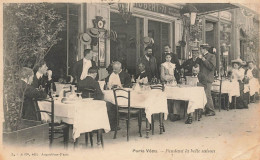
(123, 39)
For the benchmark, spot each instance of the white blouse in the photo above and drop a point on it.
(238, 74)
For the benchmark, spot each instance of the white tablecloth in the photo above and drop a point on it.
(84, 116)
(195, 95)
(153, 101)
(231, 88)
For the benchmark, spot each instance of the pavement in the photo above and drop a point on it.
(230, 135)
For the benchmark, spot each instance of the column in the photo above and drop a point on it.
(138, 37)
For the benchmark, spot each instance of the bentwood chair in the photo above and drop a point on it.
(88, 93)
(59, 129)
(126, 112)
(161, 115)
(218, 97)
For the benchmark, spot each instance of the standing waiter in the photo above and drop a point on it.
(207, 62)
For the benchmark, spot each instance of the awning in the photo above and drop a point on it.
(206, 8)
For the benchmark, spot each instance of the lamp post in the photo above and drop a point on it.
(188, 13)
(125, 9)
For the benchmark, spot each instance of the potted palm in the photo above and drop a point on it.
(30, 31)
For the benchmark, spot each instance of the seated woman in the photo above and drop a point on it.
(167, 70)
(238, 75)
(28, 93)
(90, 83)
(252, 75)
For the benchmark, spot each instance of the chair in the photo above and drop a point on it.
(125, 112)
(161, 115)
(219, 97)
(54, 128)
(88, 93)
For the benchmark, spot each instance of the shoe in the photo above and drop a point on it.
(211, 114)
(189, 120)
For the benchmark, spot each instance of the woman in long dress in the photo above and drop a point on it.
(167, 77)
(238, 74)
(252, 75)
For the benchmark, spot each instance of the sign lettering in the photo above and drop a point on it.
(159, 8)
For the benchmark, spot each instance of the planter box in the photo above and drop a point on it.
(32, 133)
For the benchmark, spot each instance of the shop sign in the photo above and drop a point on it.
(159, 8)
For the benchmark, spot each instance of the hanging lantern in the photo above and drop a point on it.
(189, 11)
(125, 9)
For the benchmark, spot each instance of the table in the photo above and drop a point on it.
(85, 116)
(231, 88)
(195, 96)
(153, 101)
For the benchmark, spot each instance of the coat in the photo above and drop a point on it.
(150, 67)
(30, 95)
(90, 83)
(207, 68)
(78, 67)
(125, 79)
(188, 65)
(44, 82)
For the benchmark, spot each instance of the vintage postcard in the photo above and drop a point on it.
(118, 79)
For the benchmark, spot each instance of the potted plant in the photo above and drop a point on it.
(30, 31)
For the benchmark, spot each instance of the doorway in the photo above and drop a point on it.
(159, 31)
(126, 48)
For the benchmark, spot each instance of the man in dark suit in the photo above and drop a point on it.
(80, 68)
(150, 63)
(118, 77)
(207, 62)
(29, 93)
(40, 78)
(190, 63)
(141, 75)
(90, 83)
(174, 60)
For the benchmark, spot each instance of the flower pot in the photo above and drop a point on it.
(30, 133)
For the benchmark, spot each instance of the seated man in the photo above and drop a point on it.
(43, 77)
(190, 65)
(142, 77)
(28, 93)
(90, 83)
(118, 78)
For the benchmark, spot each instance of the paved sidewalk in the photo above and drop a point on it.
(229, 135)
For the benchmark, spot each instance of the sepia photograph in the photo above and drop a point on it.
(107, 79)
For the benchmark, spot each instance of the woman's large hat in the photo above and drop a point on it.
(238, 60)
(85, 38)
(93, 32)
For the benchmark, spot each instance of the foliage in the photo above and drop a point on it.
(30, 31)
